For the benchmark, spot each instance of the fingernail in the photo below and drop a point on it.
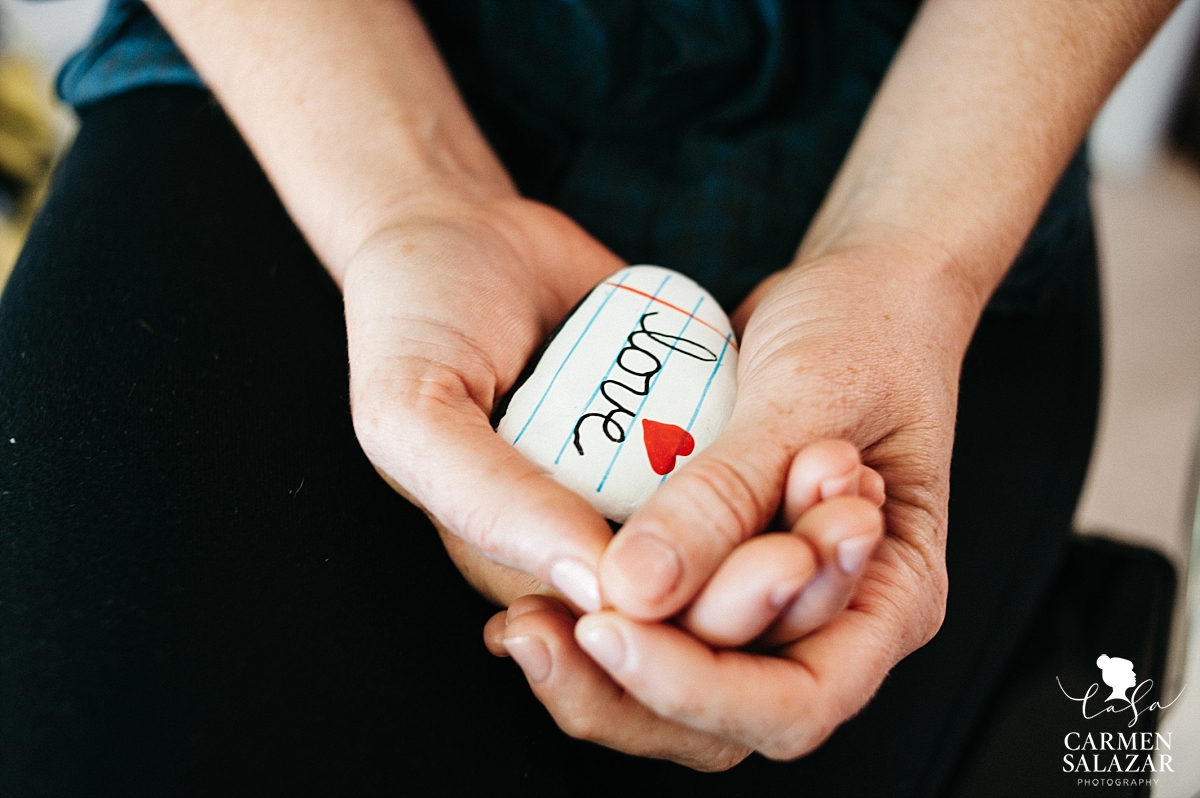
(783, 593)
(604, 644)
(577, 582)
(853, 553)
(531, 654)
(651, 565)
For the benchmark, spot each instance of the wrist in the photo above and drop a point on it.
(351, 145)
(903, 280)
(415, 198)
(969, 270)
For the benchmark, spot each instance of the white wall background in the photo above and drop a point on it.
(47, 31)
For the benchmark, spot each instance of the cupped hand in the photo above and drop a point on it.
(836, 499)
(443, 309)
(776, 587)
(865, 346)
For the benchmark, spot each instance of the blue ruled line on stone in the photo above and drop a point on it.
(649, 390)
(570, 352)
(612, 365)
(704, 393)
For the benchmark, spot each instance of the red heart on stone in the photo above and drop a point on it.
(665, 442)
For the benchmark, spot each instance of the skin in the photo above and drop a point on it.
(451, 279)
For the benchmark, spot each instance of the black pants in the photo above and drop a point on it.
(204, 587)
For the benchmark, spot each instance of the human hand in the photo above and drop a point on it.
(742, 600)
(776, 587)
(838, 348)
(443, 309)
(450, 279)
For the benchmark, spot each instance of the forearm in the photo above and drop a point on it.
(980, 112)
(347, 106)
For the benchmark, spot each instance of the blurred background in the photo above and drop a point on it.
(1145, 151)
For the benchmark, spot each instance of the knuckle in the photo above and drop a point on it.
(925, 604)
(724, 757)
(814, 718)
(368, 412)
(785, 751)
(430, 394)
(484, 530)
(419, 389)
(803, 736)
(677, 703)
(735, 507)
(914, 610)
(581, 726)
(917, 580)
(935, 603)
(494, 528)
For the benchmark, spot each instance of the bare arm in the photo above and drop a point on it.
(346, 104)
(976, 119)
(979, 114)
(450, 278)
(861, 338)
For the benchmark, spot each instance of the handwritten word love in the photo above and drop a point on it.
(639, 364)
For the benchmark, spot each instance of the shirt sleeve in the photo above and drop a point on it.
(129, 50)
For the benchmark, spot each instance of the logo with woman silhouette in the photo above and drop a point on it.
(1118, 674)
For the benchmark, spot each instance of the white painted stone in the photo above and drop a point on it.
(644, 366)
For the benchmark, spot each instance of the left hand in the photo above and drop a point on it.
(862, 340)
(863, 345)
(782, 584)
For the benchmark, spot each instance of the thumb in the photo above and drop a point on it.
(446, 458)
(669, 548)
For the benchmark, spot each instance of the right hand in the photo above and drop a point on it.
(443, 309)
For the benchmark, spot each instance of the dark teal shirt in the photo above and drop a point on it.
(696, 135)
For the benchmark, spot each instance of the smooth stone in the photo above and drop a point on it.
(638, 379)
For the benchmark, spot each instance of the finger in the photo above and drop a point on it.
(445, 456)
(843, 532)
(871, 486)
(782, 707)
(496, 629)
(750, 588)
(493, 634)
(824, 470)
(670, 547)
(497, 583)
(588, 705)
